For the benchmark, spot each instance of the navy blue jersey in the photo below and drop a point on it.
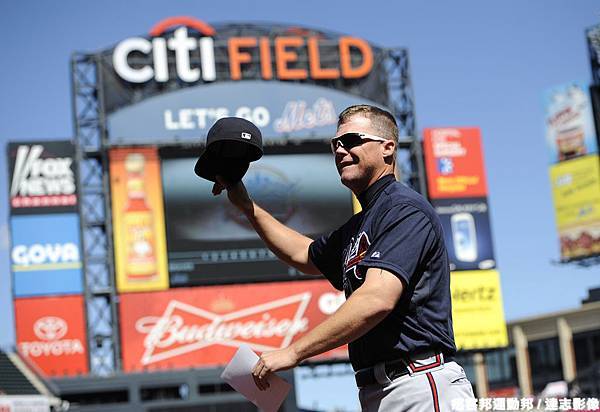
(398, 231)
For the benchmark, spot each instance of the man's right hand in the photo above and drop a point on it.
(236, 192)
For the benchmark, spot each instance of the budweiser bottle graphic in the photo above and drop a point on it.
(140, 243)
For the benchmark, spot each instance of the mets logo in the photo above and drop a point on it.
(355, 252)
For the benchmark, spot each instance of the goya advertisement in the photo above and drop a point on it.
(576, 193)
(138, 220)
(46, 255)
(477, 311)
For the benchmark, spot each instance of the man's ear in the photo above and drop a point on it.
(389, 148)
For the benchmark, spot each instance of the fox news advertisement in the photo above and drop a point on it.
(42, 177)
(204, 326)
(210, 241)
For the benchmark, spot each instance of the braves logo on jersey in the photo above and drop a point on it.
(354, 253)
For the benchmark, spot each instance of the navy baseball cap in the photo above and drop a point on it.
(231, 144)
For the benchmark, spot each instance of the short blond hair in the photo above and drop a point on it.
(381, 120)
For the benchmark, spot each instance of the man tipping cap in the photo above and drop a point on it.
(231, 144)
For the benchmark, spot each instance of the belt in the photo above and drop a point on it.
(395, 369)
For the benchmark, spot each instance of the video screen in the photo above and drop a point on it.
(210, 242)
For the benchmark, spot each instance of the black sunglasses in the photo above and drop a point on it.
(353, 139)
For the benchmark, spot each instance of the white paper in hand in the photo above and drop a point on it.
(238, 373)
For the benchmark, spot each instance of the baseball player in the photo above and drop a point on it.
(391, 262)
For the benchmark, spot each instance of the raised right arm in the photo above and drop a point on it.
(287, 244)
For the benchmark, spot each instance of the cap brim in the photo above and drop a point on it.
(231, 170)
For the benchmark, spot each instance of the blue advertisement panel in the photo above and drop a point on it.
(570, 130)
(280, 110)
(45, 255)
(467, 232)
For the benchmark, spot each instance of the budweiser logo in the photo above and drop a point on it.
(184, 328)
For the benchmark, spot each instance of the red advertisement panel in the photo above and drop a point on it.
(51, 334)
(454, 163)
(203, 327)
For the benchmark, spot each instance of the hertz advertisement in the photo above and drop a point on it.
(477, 311)
(138, 220)
(576, 193)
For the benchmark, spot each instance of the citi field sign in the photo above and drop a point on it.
(200, 53)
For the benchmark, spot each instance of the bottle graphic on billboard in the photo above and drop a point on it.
(464, 237)
(138, 224)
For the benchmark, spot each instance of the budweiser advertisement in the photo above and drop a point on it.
(204, 326)
(42, 177)
(138, 220)
(454, 162)
(51, 334)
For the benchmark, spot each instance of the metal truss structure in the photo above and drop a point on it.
(94, 208)
(585, 262)
(89, 119)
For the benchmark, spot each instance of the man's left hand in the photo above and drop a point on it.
(270, 362)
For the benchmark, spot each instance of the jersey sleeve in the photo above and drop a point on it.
(402, 240)
(326, 254)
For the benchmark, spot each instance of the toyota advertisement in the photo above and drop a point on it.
(204, 326)
(51, 334)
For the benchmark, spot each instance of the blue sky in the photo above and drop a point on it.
(473, 63)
